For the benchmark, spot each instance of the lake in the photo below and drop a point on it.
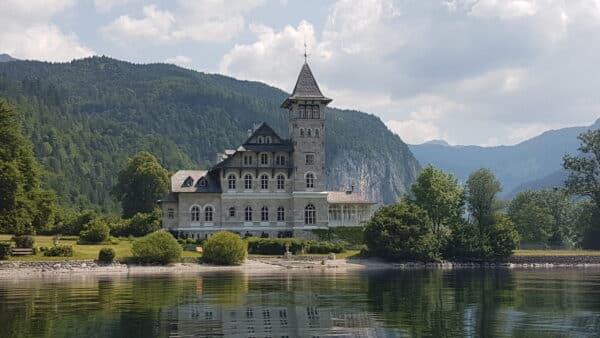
(302, 303)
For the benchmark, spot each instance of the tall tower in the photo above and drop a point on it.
(306, 123)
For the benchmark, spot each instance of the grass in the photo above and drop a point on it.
(82, 251)
(557, 253)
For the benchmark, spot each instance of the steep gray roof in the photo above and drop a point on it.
(306, 88)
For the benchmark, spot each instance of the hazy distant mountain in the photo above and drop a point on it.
(6, 58)
(532, 163)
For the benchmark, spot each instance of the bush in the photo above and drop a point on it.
(158, 247)
(106, 255)
(24, 241)
(139, 225)
(498, 242)
(276, 246)
(401, 231)
(353, 236)
(97, 232)
(225, 248)
(59, 251)
(4, 250)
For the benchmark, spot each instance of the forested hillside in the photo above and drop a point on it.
(86, 117)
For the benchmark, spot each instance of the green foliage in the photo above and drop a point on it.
(59, 251)
(349, 236)
(139, 225)
(481, 190)
(97, 231)
(24, 241)
(440, 195)
(498, 241)
(503, 238)
(106, 255)
(4, 250)
(277, 246)
(402, 231)
(224, 248)
(547, 216)
(140, 184)
(584, 170)
(24, 205)
(158, 247)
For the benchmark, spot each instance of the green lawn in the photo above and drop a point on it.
(80, 252)
(557, 253)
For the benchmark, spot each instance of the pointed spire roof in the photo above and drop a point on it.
(306, 88)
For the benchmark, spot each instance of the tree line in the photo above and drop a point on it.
(442, 219)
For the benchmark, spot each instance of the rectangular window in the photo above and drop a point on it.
(247, 160)
(310, 159)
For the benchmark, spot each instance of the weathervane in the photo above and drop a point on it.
(305, 52)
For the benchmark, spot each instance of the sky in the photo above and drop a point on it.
(484, 72)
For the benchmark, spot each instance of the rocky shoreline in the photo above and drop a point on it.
(271, 264)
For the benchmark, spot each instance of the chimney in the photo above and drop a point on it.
(351, 190)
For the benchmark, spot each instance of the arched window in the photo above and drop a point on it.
(248, 182)
(308, 132)
(316, 132)
(260, 139)
(264, 214)
(268, 139)
(264, 182)
(232, 212)
(264, 159)
(310, 180)
(170, 213)
(231, 182)
(195, 213)
(280, 214)
(208, 214)
(301, 132)
(280, 182)
(310, 214)
(248, 214)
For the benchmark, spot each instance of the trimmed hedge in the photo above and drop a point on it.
(158, 247)
(59, 251)
(24, 241)
(225, 248)
(276, 246)
(106, 255)
(4, 250)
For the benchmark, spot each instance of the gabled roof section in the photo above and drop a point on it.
(306, 88)
(263, 129)
(202, 181)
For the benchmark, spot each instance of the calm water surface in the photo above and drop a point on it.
(469, 303)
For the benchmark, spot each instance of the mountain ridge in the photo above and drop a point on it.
(85, 117)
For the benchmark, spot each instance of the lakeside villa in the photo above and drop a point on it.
(269, 186)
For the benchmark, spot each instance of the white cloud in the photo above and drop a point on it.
(505, 9)
(26, 31)
(415, 131)
(104, 6)
(180, 60)
(200, 20)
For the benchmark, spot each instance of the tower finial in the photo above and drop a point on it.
(305, 52)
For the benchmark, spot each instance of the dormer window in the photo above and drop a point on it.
(247, 160)
(261, 139)
(202, 183)
(188, 182)
(268, 139)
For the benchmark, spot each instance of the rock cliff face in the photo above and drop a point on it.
(382, 168)
(86, 117)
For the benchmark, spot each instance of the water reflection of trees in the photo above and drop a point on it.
(468, 302)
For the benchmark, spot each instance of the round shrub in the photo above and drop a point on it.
(401, 232)
(106, 255)
(97, 232)
(224, 248)
(24, 241)
(4, 250)
(158, 247)
(59, 251)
